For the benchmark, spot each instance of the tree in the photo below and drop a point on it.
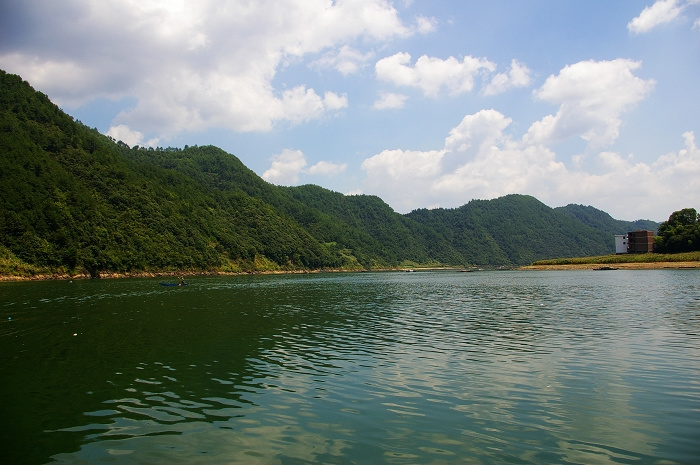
(681, 233)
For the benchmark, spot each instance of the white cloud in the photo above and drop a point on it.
(195, 65)
(78, 81)
(591, 96)
(389, 100)
(402, 178)
(285, 167)
(401, 165)
(661, 12)
(684, 166)
(481, 129)
(425, 25)
(301, 104)
(346, 60)
(130, 137)
(517, 76)
(481, 161)
(478, 160)
(326, 168)
(333, 101)
(431, 74)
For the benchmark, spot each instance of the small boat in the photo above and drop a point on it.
(173, 284)
(605, 268)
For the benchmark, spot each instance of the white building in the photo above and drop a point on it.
(620, 243)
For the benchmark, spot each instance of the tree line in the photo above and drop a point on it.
(681, 233)
(76, 201)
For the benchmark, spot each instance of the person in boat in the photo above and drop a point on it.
(182, 281)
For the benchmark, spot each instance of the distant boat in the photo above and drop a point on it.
(605, 268)
(173, 284)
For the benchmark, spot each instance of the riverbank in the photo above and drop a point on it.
(617, 266)
(190, 274)
(144, 274)
(595, 263)
(648, 261)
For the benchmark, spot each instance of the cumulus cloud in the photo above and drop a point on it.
(591, 96)
(494, 164)
(129, 136)
(403, 178)
(480, 129)
(481, 158)
(287, 166)
(431, 74)
(346, 60)
(388, 100)
(327, 168)
(194, 65)
(517, 76)
(683, 165)
(301, 104)
(478, 160)
(661, 12)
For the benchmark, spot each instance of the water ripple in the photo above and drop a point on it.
(426, 367)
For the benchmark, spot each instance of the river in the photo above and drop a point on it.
(430, 367)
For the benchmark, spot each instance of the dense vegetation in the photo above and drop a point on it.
(75, 201)
(681, 233)
(515, 229)
(604, 222)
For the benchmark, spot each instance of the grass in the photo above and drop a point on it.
(624, 258)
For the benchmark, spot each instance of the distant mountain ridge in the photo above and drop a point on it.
(76, 201)
(600, 220)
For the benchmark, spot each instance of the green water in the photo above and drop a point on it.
(443, 367)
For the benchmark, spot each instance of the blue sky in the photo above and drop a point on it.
(423, 103)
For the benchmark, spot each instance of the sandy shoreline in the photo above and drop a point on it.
(619, 266)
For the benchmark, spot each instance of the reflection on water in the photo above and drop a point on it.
(426, 367)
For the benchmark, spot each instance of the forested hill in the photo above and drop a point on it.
(75, 201)
(600, 220)
(514, 229)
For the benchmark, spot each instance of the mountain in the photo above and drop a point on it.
(73, 200)
(598, 219)
(76, 201)
(515, 229)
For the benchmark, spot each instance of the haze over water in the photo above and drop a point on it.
(426, 367)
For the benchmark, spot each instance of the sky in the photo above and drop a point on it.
(424, 103)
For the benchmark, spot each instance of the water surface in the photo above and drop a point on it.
(426, 367)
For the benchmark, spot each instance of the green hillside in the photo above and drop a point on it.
(72, 200)
(598, 219)
(515, 229)
(75, 201)
(383, 232)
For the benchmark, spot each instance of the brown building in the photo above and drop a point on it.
(640, 241)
